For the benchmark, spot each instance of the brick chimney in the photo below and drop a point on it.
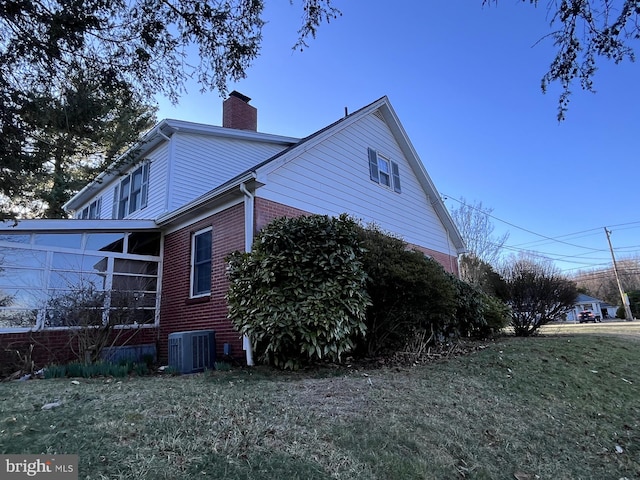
(237, 113)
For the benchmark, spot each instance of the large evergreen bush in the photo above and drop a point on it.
(300, 295)
(312, 287)
(409, 292)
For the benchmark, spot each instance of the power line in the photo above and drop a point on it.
(594, 232)
(546, 240)
(519, 227)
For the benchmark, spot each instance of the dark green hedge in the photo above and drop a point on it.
(317, 287)
(300, 294)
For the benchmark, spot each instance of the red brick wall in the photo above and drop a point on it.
(178, 312)
(449, 262)
(266, 210)
(237, 113)
(58, 346)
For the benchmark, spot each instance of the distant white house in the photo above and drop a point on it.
(599, 308)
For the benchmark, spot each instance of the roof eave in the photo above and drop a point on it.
(201, 205)
(423, 177)
(161, 132)
(225, 132)
(149, 141)
(73, 225)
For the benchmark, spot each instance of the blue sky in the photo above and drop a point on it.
(465, 82)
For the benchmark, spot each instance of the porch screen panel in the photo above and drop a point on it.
(62, 280)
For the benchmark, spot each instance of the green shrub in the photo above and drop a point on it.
(478, 315)
(223, 366)
(496, 314)
(634, 305)
(300, 294)
(148, 360)
(55, 371)
(410, 292)
(77, 369)
(140, 369)
(170, 370)
(470, 304)
(99, 369)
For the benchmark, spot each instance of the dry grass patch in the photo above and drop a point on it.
(629, 330)
(556, 407)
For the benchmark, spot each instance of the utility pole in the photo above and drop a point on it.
(625, 303)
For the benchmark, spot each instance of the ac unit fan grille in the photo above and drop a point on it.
(191, 352)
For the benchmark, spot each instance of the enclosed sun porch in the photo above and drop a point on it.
(65, 274)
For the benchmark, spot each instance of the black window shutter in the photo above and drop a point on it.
(373, 166)
(116, 201)
(395, 170)
(145, 185)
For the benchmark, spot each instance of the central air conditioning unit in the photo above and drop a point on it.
(191, 352)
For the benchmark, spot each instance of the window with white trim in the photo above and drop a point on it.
(92, 211)
(201, 243)
(131, 194)
(383, 171)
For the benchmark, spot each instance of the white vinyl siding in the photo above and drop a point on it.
(156, 188)
(180, 171)
(158, 178)
(202, 163)
(334, 177)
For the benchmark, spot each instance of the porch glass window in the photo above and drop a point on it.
(59, 280)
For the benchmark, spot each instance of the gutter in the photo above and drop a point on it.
(249, 214)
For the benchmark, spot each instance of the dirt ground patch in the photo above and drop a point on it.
(332, 397)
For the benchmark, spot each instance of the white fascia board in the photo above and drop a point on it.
(224, 132)
(423, 176)
(75, 225)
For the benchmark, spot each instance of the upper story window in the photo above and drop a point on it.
(201, 263)
(91, 212)
(131, 194)
(384, 171)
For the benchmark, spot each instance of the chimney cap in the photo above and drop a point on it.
(242, 97)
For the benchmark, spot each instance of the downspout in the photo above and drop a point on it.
(248, 242)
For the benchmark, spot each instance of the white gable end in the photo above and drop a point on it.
(332, 177)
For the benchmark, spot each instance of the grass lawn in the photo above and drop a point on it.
(550, 407)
